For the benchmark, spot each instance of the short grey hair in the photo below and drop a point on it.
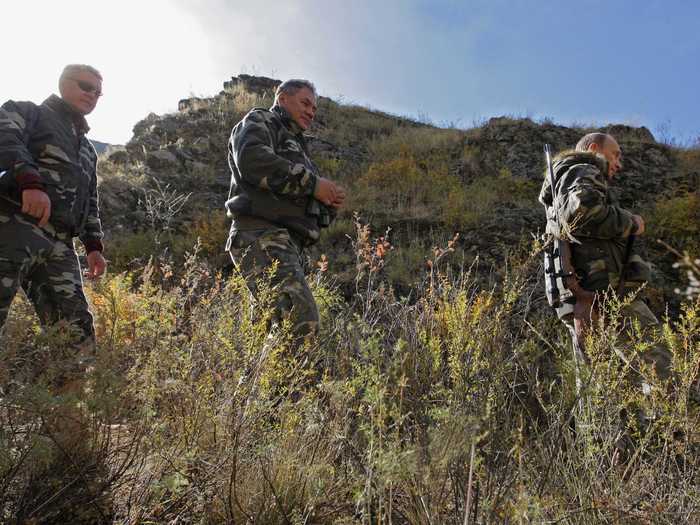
(587, 141)
(73, 69)
(291, 86)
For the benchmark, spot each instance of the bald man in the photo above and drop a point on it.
(48, 196)
(601, 228)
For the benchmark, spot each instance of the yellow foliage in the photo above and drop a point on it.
(425, 143)
(677, 221)
(402, 188)
(200, 410)
(689, 159)
(423, 188)
(212, 231)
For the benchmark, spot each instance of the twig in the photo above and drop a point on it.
(468, 504)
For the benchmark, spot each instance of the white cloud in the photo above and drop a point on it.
(452, 61)
(385, 54)
(149, 52)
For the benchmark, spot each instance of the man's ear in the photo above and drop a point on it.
(594, 148)
(61, 86)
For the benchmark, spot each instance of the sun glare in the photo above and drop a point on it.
(150, 53)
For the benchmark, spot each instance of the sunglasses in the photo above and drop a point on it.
(87, 87)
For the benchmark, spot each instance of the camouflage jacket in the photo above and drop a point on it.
(272, 177)
(44, 147)
(592, 220)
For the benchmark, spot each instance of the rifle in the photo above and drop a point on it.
(584, 312)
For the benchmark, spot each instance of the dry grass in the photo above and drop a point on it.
(195, 414)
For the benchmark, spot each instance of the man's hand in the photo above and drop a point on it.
(639, 221)
(339, 198)
(329, 193)
(326, 191)
(37, 204)
(96, 265)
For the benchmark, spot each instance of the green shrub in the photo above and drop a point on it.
(402, 188)
(676, 220)
(426, 144)
(481, 199)
(194, 413)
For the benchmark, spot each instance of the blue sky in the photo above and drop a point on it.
(587, 61)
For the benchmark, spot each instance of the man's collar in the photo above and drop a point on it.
(567, 159)
(287, 120)
(59, 105)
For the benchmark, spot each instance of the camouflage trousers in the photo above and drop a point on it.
(254, 252)
(637, 311)
(44, 264)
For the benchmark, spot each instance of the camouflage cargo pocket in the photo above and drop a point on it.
(597, 276)
(240, 240)
(597, 266)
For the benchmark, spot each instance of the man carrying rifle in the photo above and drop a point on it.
(596, 241)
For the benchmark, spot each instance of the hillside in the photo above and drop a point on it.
(425, 183)
(441, 389)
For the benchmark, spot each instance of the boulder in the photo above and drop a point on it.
(162, 160)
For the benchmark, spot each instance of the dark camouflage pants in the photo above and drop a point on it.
(45, 265)
(254, 252)
(637, 311)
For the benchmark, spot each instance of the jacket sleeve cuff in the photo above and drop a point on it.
(93, 245)
(28, 178)
(311, 188)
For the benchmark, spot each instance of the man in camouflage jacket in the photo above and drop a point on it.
(278, 201)
(48, 196)
(598, 229)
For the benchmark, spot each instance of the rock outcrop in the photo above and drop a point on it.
(187, 152)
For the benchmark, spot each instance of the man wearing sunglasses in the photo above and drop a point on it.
(48, 196)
